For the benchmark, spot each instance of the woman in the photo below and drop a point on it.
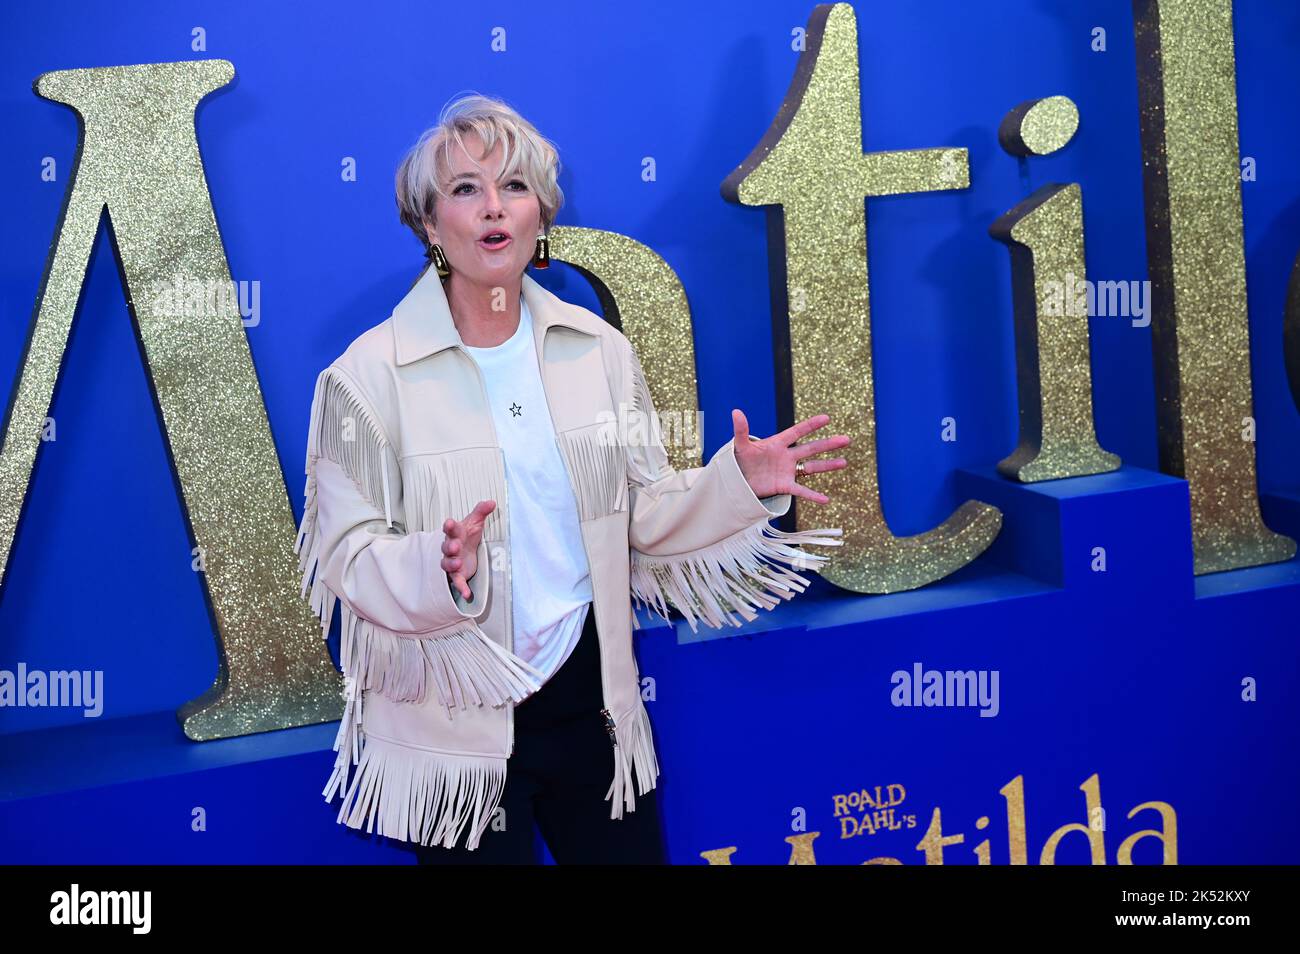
(486, 530)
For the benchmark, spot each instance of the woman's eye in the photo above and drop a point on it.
(520, 183)
(463, 185)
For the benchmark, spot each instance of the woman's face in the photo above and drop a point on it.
(477, 206)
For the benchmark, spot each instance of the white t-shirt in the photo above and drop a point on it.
(550, 576)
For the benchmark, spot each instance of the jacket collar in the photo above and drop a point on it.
(422, 323)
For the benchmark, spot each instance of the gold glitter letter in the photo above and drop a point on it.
(1057, 439)
(1201, 339)
(810, 167)
(139, 156)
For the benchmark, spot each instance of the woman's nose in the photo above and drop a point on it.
(492, 199)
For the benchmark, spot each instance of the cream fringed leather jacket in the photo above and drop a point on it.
(401, 438)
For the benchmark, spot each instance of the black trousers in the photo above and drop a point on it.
(557, 779)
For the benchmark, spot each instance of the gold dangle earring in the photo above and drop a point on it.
(542, 256)
(439, 260)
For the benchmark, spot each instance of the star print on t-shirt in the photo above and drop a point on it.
(515, 409)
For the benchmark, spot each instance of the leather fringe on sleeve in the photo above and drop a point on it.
(731, 576)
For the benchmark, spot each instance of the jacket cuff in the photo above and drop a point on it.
(750, 506)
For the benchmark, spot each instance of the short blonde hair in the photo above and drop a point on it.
(527, 154)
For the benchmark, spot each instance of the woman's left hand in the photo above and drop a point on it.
(768, 464)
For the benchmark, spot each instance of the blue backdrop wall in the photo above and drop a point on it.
(1134, 675)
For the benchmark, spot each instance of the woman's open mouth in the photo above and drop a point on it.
(495, 241)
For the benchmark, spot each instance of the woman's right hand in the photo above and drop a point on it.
(460, 546)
